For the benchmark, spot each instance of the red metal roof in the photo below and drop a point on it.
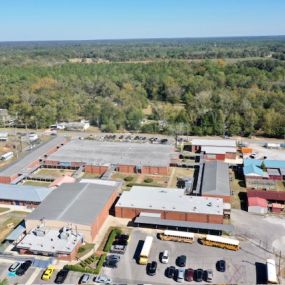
(256, 201)
(268, 195)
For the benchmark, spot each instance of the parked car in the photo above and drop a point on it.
(164, 257)
(113, 257)
(151, 268)
(181, 261)
(84, 278)
(180, 273)
(48, 272)
(111, 263)
(221, 265)
(189, 274)
(61, 276)
(198, 275)
(102, 279)
(24, 267)
(208, 275)
(14, 266)
(170, 272)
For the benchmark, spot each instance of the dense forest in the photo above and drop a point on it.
(186, 86)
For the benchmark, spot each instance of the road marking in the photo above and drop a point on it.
(32, 278)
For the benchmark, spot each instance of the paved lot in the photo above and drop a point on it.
(261, 151)
(14, 280)
(243, 267)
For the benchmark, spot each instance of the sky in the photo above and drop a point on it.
(26, 20)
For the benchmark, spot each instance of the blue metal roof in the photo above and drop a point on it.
(254, 165)
(23, 193)
(16, 233)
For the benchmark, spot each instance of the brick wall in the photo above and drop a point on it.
(95, 169)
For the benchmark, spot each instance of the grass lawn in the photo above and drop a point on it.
(54, 172)
(179, 172)
(37, 183)
(239, 193)
(9, 221)
(85, 249)
(2, 210)
(90, 175)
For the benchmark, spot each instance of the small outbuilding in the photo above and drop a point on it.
(257, 205)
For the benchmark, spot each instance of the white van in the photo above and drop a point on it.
(164, 256)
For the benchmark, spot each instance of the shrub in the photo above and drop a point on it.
(100, 263)
(111, 239)
(148, 180)
(129, 178)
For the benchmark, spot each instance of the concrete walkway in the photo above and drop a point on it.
(33, 276)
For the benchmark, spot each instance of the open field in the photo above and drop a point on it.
(9, 221)
(2, 210)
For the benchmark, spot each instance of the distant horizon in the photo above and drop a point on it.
(73, 20)
(148, 38)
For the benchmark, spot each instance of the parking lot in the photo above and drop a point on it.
(245, 266)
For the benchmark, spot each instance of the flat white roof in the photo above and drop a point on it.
(218, 150)
(101, 182)
(169, 199)
(220, 143)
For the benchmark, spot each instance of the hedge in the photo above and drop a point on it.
(142, 184)
(148, 180)
(129, 178)
(111, 239)
(100, 263)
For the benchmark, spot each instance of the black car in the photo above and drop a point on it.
(170, 272)
(181, 261)
(151, 268)
(24, 267)
(221, 265)
(111, 263)
(61, 276)
(113, 257)
(198, 275)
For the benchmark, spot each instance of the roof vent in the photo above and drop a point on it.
(209, 204)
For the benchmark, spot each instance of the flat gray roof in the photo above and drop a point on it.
(169, 199)
(51, 241)
(33, 155)
(211, 142)
(216, 179)
(106, 153)
(273, 171)
(182, 224)
(78, 203)
(218, 149)
(23, 193)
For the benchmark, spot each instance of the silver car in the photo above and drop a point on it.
(180, 275)
(14, 266)
(103, 279)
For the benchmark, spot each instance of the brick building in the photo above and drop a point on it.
(215, 149)
(98, 156)
(22, 195)
(216, 181)
(31, 161)
(85, 206)
(169, 204)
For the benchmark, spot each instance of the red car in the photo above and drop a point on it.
(189, 274)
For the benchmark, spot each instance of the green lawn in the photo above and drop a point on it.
(37, 183)
(85, 249)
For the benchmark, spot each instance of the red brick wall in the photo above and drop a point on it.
(231, 155)
(275, 177)
(5, 179)
(227, 199)
(131, 213)
(127, 168)
(155, 170)
(51, 162)
(95, 169)
(103, 216)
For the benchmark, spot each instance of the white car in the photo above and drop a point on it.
(164, 257)
(103, 279)
(14, 266)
